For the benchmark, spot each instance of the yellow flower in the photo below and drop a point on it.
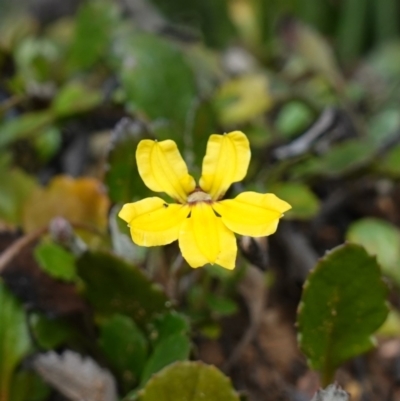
(201, 222)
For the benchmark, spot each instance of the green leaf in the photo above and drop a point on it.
(125, 347)
(49, 333)
(305, 204)
(389, 163)
(157, 79)
(381, 239)
(383, 126)
(167, 324)
(14, 339)
(342, 159)
(94, 24)
(210, 17)
(220, 305)
(122, 176)
(24, 126)
(114, 286)
(175, 347)
(343, 303)
(189, 381)
(293, 118)
(55, 260)
(28, 386)
(385, 61)
(38, 60)
(48, 143)
(75, 98)
(15, 188)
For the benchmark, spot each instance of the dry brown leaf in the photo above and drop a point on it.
(76, 377)
(81, 200)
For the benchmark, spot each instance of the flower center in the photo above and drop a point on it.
(198, 196)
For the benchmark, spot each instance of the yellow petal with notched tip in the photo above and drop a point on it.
(226, 161)
(205, 239)
(251, 213)
(163, 170)
(153, 222)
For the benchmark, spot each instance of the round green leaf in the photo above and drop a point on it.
(189, 381)
(343, 303)
(381, 239)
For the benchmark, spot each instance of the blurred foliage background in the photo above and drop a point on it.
(314, 84)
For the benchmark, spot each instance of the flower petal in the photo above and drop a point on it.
(226, 161)
(205, 239)
(163, 170)
(251, 213)
(153, 222)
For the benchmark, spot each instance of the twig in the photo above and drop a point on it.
(17, 246)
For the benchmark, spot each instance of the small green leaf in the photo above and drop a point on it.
(293, 118)
(381, 239)
(383, 126)
(189, 381)
(48, 143)
(385, 61)
(25, 126)
(343, 303)
(305, 204)
(75, 98)
(343, 158)
(49, 333)
(175, 347)
(125, 347)
(14, 339)
(55, 260)
(37, 59)
(167, 324)
(220, 305)
(115, 286)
